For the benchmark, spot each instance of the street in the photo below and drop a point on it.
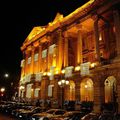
(6, 117)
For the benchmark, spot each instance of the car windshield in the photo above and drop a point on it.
(50, 111)
(37, 110)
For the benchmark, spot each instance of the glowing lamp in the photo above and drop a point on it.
(56, 72)
(77, 68)
(44, 73)
(86, 86)
(6, 75)
(63, 71)
(92, 65)
(59, 83)
(67, 82)
(2, 89)
(22, 87)
(49, 74)
(63, 81)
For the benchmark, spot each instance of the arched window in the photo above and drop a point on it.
(70, 91)
(86, 90)
(110, 89)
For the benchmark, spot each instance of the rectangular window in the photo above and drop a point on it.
(36, 57)
(52, 49)
(50, 90)
(22, 63)
(29, 60)
(44, 53)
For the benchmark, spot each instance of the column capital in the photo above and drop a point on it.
(59, 30)
(32, 48)
(35, 44)
(40, 45)
(26, 52)
(48, 37)
(95, 17)
(48, 34)
(79, 27)
(65, 34)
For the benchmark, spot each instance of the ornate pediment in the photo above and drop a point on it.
(35, 31)
(58, 18)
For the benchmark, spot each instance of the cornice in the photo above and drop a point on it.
(89, 8)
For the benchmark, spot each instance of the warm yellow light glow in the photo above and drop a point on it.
(35, 31)
(63, 81)
(22, 87)
(63, 71)
(59, 83)
(86, 86)
(2, 89)
(6, 75)
(100, 37)
(48, 73)
(45, 73)
(67, 82)
(77, 68)
(58, 18)
(92, 65)
(56, 72)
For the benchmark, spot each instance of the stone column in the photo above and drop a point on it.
(96, 32)
(65, 49)
(77, 90)
(26, 62)
(60, 50)
(98, 93)
(79, 46)
(32, 60)
(116, 16)
(107, 40)
(40, 58)
(48, 55)
(118, 95)
(44, 87)
(23, 68)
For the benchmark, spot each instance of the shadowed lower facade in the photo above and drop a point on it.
(82, 48)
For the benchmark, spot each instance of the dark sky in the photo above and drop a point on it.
(17, 18)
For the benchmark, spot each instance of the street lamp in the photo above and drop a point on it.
(6, 75)
(2, 90)
(21, 88)
(62, 83)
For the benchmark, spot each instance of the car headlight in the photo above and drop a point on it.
(20, 116)
(41, 118)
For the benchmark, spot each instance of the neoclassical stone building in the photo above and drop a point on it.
(82, 48)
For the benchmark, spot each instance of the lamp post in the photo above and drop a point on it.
(86, 89)
(62, 83)
(6, 75)
(2, 90)
(21, 88)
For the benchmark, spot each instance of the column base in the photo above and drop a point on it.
(116, 59)
(97, 108)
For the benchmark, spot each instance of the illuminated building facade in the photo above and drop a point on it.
(83, 48)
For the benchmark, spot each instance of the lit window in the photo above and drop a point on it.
(29, 60)
(36, 57)
(22, 63)
(44, 53)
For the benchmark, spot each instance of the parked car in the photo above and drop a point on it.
(16, 112)
(91, 116)
(70, 115)
(52, 113)
(26, 115)
(107, 115)
(116, 117)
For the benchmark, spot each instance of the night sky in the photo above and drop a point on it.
(17, 18)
